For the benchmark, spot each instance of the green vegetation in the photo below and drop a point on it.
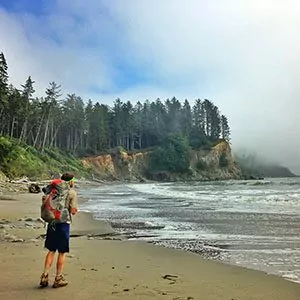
(18, 160)
(173, 155)
(85, 127)
(201, 165)
(223, 162)
(37, 132)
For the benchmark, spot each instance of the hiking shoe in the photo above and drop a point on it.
(44, 280)
(59, 282)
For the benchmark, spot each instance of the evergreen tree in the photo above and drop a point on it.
(3, 94)
(198, 138)
(14, 111)
(28, 89)
(3, 75)
(27, 93)
(173, 108)
(138, 121)
(50, 108)
(225, 130)
(186, 118)
(72, 124)
(208, 115)
(215, 124)
(88, 132)
(173, 155)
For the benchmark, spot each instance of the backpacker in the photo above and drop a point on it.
(53, 207)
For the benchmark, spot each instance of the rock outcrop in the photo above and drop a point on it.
(214, 164)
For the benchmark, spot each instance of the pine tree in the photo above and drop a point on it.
(88, 121)
(3, 93)
(225, 130)
(215, 124)
(27, 93)
(117, 120)
(14, 111)
(53, 92)
(28, 89)
(208, 114)
(138, 112)
(198, 137)
(3, 75)
(173, 108)
(186, 118)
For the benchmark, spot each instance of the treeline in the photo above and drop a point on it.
(87, 128)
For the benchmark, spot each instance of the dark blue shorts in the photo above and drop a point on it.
(57, 237)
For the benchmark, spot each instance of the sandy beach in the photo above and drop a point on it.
(102, 265)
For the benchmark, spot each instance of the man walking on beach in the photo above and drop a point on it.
(58, 235)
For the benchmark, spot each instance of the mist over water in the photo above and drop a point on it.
(255, 224)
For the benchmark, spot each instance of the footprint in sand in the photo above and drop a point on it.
(171, 278)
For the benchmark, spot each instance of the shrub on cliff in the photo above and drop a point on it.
(172, 156)
(201, 165)
(223, 162)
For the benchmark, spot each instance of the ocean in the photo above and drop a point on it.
(254, 224)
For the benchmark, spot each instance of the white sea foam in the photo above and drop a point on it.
(254, 224)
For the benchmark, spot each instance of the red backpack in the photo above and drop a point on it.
(53, 206)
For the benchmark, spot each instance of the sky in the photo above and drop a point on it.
(242, 55)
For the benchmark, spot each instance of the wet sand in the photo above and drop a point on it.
(102, 265)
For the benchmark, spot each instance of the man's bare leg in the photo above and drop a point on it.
(60, 263)
(59, 279)
(48, 261)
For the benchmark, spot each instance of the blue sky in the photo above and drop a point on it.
(243, 55)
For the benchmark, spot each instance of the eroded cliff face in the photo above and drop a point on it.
(118, 166)
(3, 177)
(204, 165)
(207, 164)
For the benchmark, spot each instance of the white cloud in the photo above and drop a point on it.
(29, 50)
(244, 55)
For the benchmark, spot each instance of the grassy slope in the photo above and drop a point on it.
(23, 160)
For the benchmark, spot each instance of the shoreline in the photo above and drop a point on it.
(138, 226)
(207, 253)
(109, 267)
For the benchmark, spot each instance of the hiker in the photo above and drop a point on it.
(60, 192)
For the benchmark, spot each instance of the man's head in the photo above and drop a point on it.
(69, 178)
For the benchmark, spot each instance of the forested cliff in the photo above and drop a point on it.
(159, 140)
(73, 124)
(214, 164)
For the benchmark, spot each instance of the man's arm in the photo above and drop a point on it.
(72, 202)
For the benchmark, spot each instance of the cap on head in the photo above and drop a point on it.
(67, 177)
